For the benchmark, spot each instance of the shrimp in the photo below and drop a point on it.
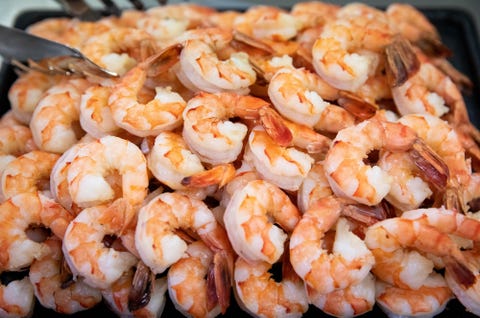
(119, 49)
(301, 96)
(201, 69)
(207, 129)
(348, 174)
(8, 119)
(26, 92)
(348, 50)
(355, 300)
(14, 141)
(103, 170)
(119, 295)
(55, 121)
(172, 163)
(313, 187)
(259, 294)
(286, 167)
(95, 114)
(160, 220)
(428, 300)
(187, 283)
(161, 113)
(85, 249)
(17, 298)
(350, 260)
(21, 215)
(314, 13)
(195, 14)
(27, 173)
(53, 288)
(256, 219)
(397, 244)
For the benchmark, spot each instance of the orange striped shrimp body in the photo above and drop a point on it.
(250, 220)
(85, 251)
(314, 187)
(14, 141)
(350, 260)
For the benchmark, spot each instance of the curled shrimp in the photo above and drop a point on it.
(55, 121)
(14, 141)
(188, 285)
(201, 69)
(173, 164)
(17, 298)
(207, 128)
(350, 260)
(262, 296)
(428, 300)
(161, 113)
(257, 219)
(26, 92)
(301, 96)
(21, 215)
(27, 173)
(348, 50)
(103, 170)
(85, 249)
(314, 187)
(355, 300)
(55, 289)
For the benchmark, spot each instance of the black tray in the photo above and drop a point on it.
(458, 32)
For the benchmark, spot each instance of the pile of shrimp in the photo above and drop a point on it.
(317, 158)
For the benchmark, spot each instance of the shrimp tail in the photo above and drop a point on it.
(368, 215)
(356, 106)
(432, 46)
(161, 62)
(275, 127)
(402, 62)
(433, 167)
(219, 281)
(142, 287)
(219, 175)
(460, 272)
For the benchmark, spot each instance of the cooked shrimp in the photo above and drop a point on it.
(54, 289)
(8, 119)
(26, 92)
(22, 214)
(187, 282)
(258, 218)
(84, 245)
(350, 260)
(53, 29)
(286, 167)
(95, 113)
(27, 173)
(163, 217)
(55, 121)
(301, 96)
(207, 129)
(103, 170)
(201, 69)
(314, 13)
(314, 187)
(14, 141)
(262, 296)
(428, 300)
(173, 164)
(161, 113)
(352, 301)
(119, 296)
(119, 49)
(17, 299)
(397, 244)
(194, 13)
(348, 51)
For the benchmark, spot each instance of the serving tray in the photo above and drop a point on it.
(458, 32)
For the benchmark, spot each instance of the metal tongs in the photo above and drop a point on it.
(29, 52)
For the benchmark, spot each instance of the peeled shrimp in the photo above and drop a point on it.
(54, 289)
(85, 250)
(314, 187)
(17, 299)
(161, 113)
(187, 284)
(14, 141)
(201, 69)
(105, 169)
(257, 219)
(26, 92)
(314, 13)
(8, 119)
(21, 214)
(27, 173)
(350, 260)
(55, 121)
(261, 296)
(355, 300)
